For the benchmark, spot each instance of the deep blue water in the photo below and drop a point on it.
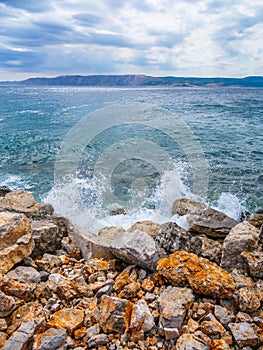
(227, 123)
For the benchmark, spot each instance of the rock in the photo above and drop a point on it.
(123, 278)
(146, 226)
(3, 325)
(211, 249)
(3, 338)
(211, 327)
(141, 317)
(224, 315)
(97, 340)
(137, 248)
(190, 342)
(243, 334)
(173, 304)
(116, 209)
(219, 344)
(185, 206)
(7, 304)
(130, 290)
(172, 238)
(46, 236)
(115, 314)
(255, 263)
(243, 237)
(247, 299)
(4, 190)
(69, 318)
(92, 246)
(24, 202)
(52, 339)
(211, 222)
(256, 219)
(15, 239)
(16, 288)
(203, 276)
(25, 274)
(22, 338)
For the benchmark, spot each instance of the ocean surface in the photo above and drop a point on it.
(85, 149)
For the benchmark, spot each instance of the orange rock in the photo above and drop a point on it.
(146, 226)
(130, 290)
(219, 344)
(80, 333)
(71, 319)
(147, 285)
(115, 314)
(3, 338)
(123, 278)
(204, 277)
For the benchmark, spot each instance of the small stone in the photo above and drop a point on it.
(141, 317)
(212, 327)
(219, 344)
(224, 315)
(7, 304)
(243, 317)
(130, 290)
(93, 330)
(97, 340)
(52, 339)
(3, 325)
(244, 334)
(147, 285)
(190, 342)
(255, 263)
(70, 318)
(123, 278)
(80, 333)
(147, 226)
(3, 338)
(25, 274)
(247, 299)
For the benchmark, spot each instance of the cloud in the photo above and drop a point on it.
(190, 37)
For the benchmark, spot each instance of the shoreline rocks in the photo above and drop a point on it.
(152, 287)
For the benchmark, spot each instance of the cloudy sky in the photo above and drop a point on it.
(156, 37)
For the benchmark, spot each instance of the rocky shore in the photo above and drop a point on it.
(150, 287)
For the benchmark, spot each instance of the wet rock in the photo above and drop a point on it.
(256, 219)
(141, 317)
(173, 304)
(211, 249)
(211, 222)
(203, 276)
(69, 318)
(255, 263)
(115, 314)
(172, 238)
(97, 340)
(25, 274)
(243, 334)
(243, 237)
(23, 202)
(15, 239)
(46, 237)
(185, 206)
(22, 338)
(4, 190)
(92, 246)
(146, 226)
(7, 304)
(116, 209)
(52, 339)
(137, 248)
(189, 342)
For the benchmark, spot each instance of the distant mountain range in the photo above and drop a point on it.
(137, 80)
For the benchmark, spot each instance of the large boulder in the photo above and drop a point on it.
(23, 202)
(137, 248)
(16, 241)
(242, 238)
(203, 276)
(172, 238)
(256, 219)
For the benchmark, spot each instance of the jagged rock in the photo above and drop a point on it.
(52, 339)
(69, 318)
(115, 314)
(255, 263)
(137, 248)
(256, 219)
(46, 237)
(247, 299)
(123, 278)
(243, 237)
(244, 334)
(211, 222)
(16, 288)
(15, 239)
(211, 249)
(219, 344)
(22, 338)
(7, 304)
(174, 303)
(4, 190)
(24, 202)
(25, 274)
(130, 290)
(203, 276)
(146, 226)
(141, 317)
(172, 238)
(185, 206)
(96, 340)
(92, 246)
(211, 327)
(190, 342)
(3, 324)
(116, 209)
(224, 315)
(3, 338)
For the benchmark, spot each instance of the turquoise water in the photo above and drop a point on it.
(227, 123)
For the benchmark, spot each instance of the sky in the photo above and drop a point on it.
(201, 38)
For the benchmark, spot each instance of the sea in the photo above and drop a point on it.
(90, 150)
